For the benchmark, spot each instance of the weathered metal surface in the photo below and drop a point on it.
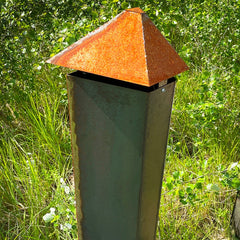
(235, 221)
(75, 156)
(119, 137)
(128, 48)
(154, 152)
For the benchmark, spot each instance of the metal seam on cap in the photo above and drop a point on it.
(145, 47)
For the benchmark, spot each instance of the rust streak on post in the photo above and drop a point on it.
(76, 160)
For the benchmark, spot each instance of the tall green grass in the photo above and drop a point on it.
(200, 178)
(32, 161)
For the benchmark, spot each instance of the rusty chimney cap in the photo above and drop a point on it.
(128, 48)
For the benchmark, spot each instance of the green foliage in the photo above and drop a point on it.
(231, 176)
(202, 169)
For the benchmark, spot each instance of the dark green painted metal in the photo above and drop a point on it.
(119, 137)
(154, 152)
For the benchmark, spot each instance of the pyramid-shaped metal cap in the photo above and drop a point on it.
(128, 48)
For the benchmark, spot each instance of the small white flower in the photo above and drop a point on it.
(68, 225)
(48, 217)
(67, 189)
(61, 227)
(61, 180)
(233, 165)
(52, 210)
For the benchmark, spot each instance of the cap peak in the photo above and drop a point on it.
(136, 10)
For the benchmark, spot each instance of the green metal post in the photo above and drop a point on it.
(119, 138)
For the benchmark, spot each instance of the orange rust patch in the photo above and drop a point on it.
(128, 48)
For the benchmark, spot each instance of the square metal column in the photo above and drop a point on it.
(119, 137)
